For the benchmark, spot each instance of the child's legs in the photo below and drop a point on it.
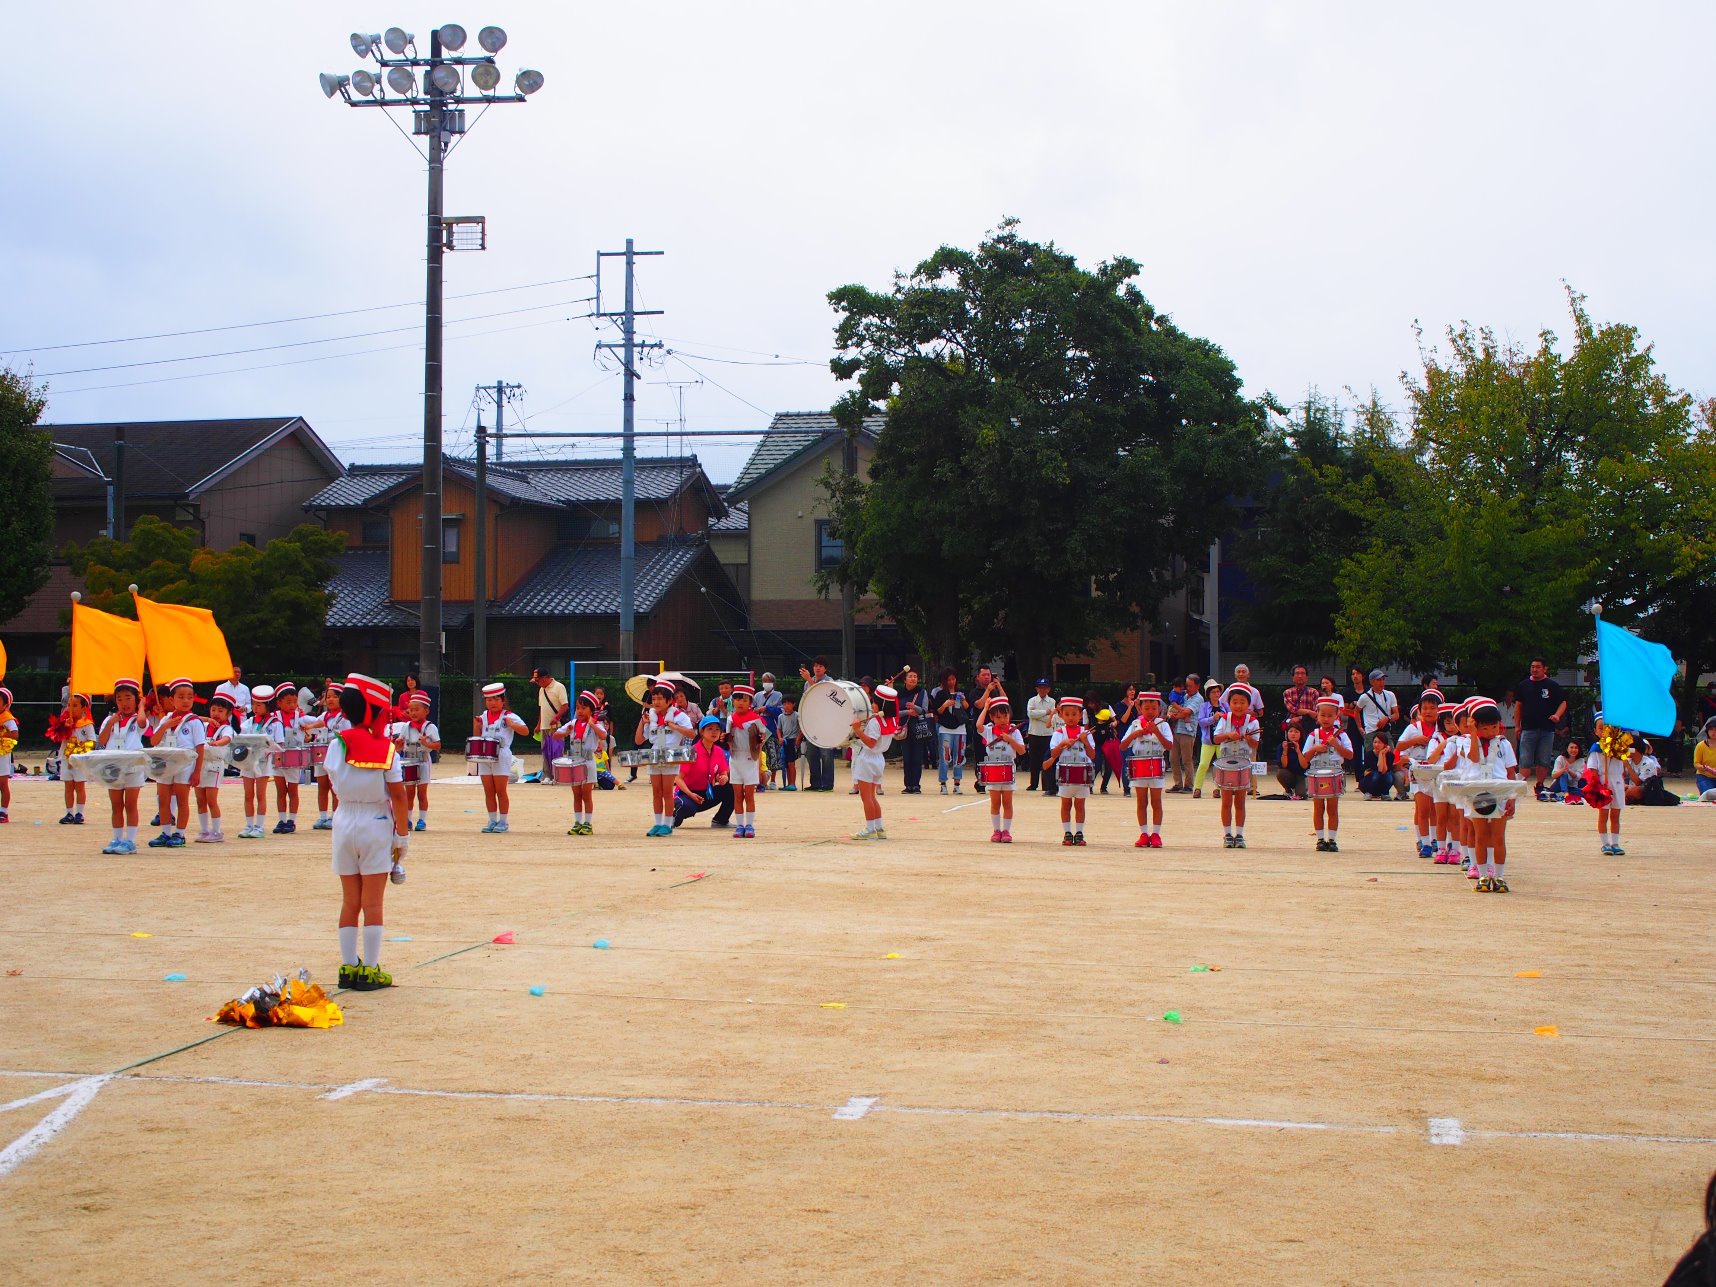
(181, 805)
(489, 791)
(1227, 808)
(1317, 813)
(1334, 815)
(208, 801)
(1498, 840)
(1142, 797)
(867, 794)
(68, 793)
(1078, 809)
(1066, 810)
(279, 793)
(1156, 805)
(116, 799)
(1422, 811)
(1239, 808)
(502, 800)
(374, 889)
(323, 791)
(422, 798)
(291, 795)
(351, 900)
(1006, 804)
(131, 809)
(1615, 822)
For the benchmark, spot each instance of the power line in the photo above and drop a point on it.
(286, 321)
(712, 380)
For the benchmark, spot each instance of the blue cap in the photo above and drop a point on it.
(710, 721)
(1044, 683)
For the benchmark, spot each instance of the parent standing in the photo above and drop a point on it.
(821, 761)
(1040, 712)
(1299, 703)
(1378, 711)
(1539, 704)
(553, 706)
(1184, 707)
(949, 708)
(918, 728)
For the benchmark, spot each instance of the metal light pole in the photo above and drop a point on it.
(437, 100)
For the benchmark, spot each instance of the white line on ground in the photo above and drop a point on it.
(353, 1087)
(27, 1145)
(856, 1107)
(956, 808)
(52, 1093)
(1446, 1130)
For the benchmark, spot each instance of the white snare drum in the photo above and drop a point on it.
(826, 712)
(670, 755)
(1321, 784)
(482, 750)
(113, 769)
(247, 748)
(1233, 774)
(569, 772)
(1485, 797)
(1427, 775)
(167, 762)
(632, 759)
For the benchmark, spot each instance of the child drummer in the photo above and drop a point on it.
(500, 725)
(257, 767)
(80, 731)
(324, 728)
(1326, 750)
(747, 730)
(123, 731)
(1237, 734)
(1149, 739)
(1489, 757)
(1003, 744)
(584, 736)
(291, 721)
(1070, 748)
(8, 740)
(1415, 744)
(179, 728)
(663, 727)
(416, 737)
(875, 736)
(219, 726)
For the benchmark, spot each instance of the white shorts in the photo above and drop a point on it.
(183, 776)
(257, 766)
(212, 774)
(132, 781)
(6, 765)
(743, 772)
(501, 768)
(669, 771)
(867, 768)
(363, 839)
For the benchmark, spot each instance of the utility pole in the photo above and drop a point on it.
(116, 493)
(502, 393)
(1212, 609)
(849, 593)
(628, 346)
(429, 606)
(480, 588)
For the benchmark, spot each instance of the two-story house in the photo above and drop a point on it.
(230, 481)
(552, 564)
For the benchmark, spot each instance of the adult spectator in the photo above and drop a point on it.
(1185, 704)
(821, 761)
(1039, 728)
(1380, 774)
(1291, 774)
(552, 707)
(702, 782)
(950, 708)
(1213, 710)
(1539, 705)
(919, 730)
(768, 704)
(236, 691)
(1510, 722)
(1378, 710)
(1299, 703)
(1357, 685)
(1242, 675)
(984, 689)
(1569, 768)
(1704, 762)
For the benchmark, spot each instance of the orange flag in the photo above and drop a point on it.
(103, 648)
(184, 642)
(2, 661)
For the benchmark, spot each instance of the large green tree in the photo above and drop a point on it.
(1535, 482)
(26, 501)
(1053, 444)
(271, 603)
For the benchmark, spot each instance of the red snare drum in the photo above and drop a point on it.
(296, 757)
(1145, 767)
(414, 772)
(1074, 774)
(571, 772)
(995, 775)
(485, 750)
(1320, 784)
(319, 754)
(1233, 775)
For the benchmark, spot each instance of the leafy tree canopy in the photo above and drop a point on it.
(1055, 449)
(27, 506)
(271, 603)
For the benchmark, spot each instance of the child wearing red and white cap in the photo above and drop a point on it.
(1414, 745)
(502, 725)
(747, 731)
(258, 766)
(1072, 747)
(1327, 748)
(178, 727)
(584, 736)
(323, 729)
(371, 834)
(123, 731)
(1149, 738)
(79, 729)
(218, 725)
(417, 737)
(291, 721)
(1237, 733)
(8, 739)
(1004, 744)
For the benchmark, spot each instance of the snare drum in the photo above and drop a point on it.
(1233, 774)
(414, 772)
(297, 757)
(569, 772)
(167, 762)
(1074, 775)
(115, 770)
(319, 754)
(1322, 784)
(998, 776)
(633, 759)
(671, 755)
(1146, 768)
(482, 750)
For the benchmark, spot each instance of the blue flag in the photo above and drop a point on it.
(1634, 675)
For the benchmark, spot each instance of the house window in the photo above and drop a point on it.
(375, 531)
(247, 538)
(449, 540)
(829, 550)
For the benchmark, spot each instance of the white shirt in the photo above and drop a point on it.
(126, 736)
(239, 692)
(502, 726)
(410, 738)
(1376, 709)
(1151, 738)
(873, 756)
(1611, 769)
(1078, 754)
(670, 730)
(1040, 714)
(739, 740)
(1322, 756)
(1493, 763)
(999, 745)
(1250, 729)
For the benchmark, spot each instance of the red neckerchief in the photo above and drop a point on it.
(491, 723)
(888, 725)
(580, 726)
(749, 717)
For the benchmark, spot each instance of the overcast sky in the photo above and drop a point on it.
(1301, 182)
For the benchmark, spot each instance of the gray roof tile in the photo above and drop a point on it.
(790, 433)
(361, 601)
(738, 519)
(169, 458)
(553, 483)
(584, 580)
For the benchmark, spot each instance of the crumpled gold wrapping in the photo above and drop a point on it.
(283, 1003)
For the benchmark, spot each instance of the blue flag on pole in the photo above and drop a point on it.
(1634, 675)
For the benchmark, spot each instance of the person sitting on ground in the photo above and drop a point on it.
(1568, 770)
(1291, 774)
(1704, 762)
(1378, 781)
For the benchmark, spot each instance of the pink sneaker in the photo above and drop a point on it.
(1156, 841)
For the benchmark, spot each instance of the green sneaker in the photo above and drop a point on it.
(349, 977)
(376, 977)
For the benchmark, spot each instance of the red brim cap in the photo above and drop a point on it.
(418, 698)
(1073, 701)
(744, 690)
(180, 683)
(127, 686)
(373, 691)
(1151, 696)
(494, 690)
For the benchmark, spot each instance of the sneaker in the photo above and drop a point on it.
(956, 789)
(77, 819)
(1617, 851)
(1239, 842)
(217, 837)
(1143, 842)
(490, 826)
(153, 822)
(503, 825)
(994, 837)
(790, 787)
(1334, 846)
(291, 827)
(750, 832)
(1227, 842)
(348, 977)
(1472, 873)
(862, 835)
(738, 833)
(422, 824)
(1078, 837)
(1197, 793)
(1156, 840)
(375, 977)
(1485, 885)
(1322, 846)
(880, 833)
(1067, 840)
(162, 841)
(323, 824)
(1498, 885)
(397, 875)
(175, 841)
(67, 820)
(280, 827)
(127, 847)
(112, 847)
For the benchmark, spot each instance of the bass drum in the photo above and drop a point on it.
(826, 712)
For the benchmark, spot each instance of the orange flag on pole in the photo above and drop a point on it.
(103, 648)
(2, 661)
(184, 642)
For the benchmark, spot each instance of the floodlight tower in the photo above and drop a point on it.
(434, 90)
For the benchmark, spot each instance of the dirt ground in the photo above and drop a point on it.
(804, 1058)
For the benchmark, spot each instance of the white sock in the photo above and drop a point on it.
(202, 824)
(1078, 828)
(1333, 833)
(77, 811)
(131, 834)
(118, 834)
(249, 821)
(348, 945)
(1227, 829)
(1239, 830)
(372, 944)
(995, 823)
(493, 816)
(1144, 830)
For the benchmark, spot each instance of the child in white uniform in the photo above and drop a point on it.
(1446, 850)
(1236, 735)
(1003, 744)
(370, 831)
(1613, 772)
(1414, 745)
(8, 740)
(663, 727)
(292, 738)
(179, 728)
(416, 737)
(123, 731)
(258, 766)
(875, 736)
(82, 730)
(1489, 757)
(1149, 738)
(322, 729)
(746, 733)
(502, 725)
(1072, 745)
(585, 738)
(219, 730)
(1327, 748)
